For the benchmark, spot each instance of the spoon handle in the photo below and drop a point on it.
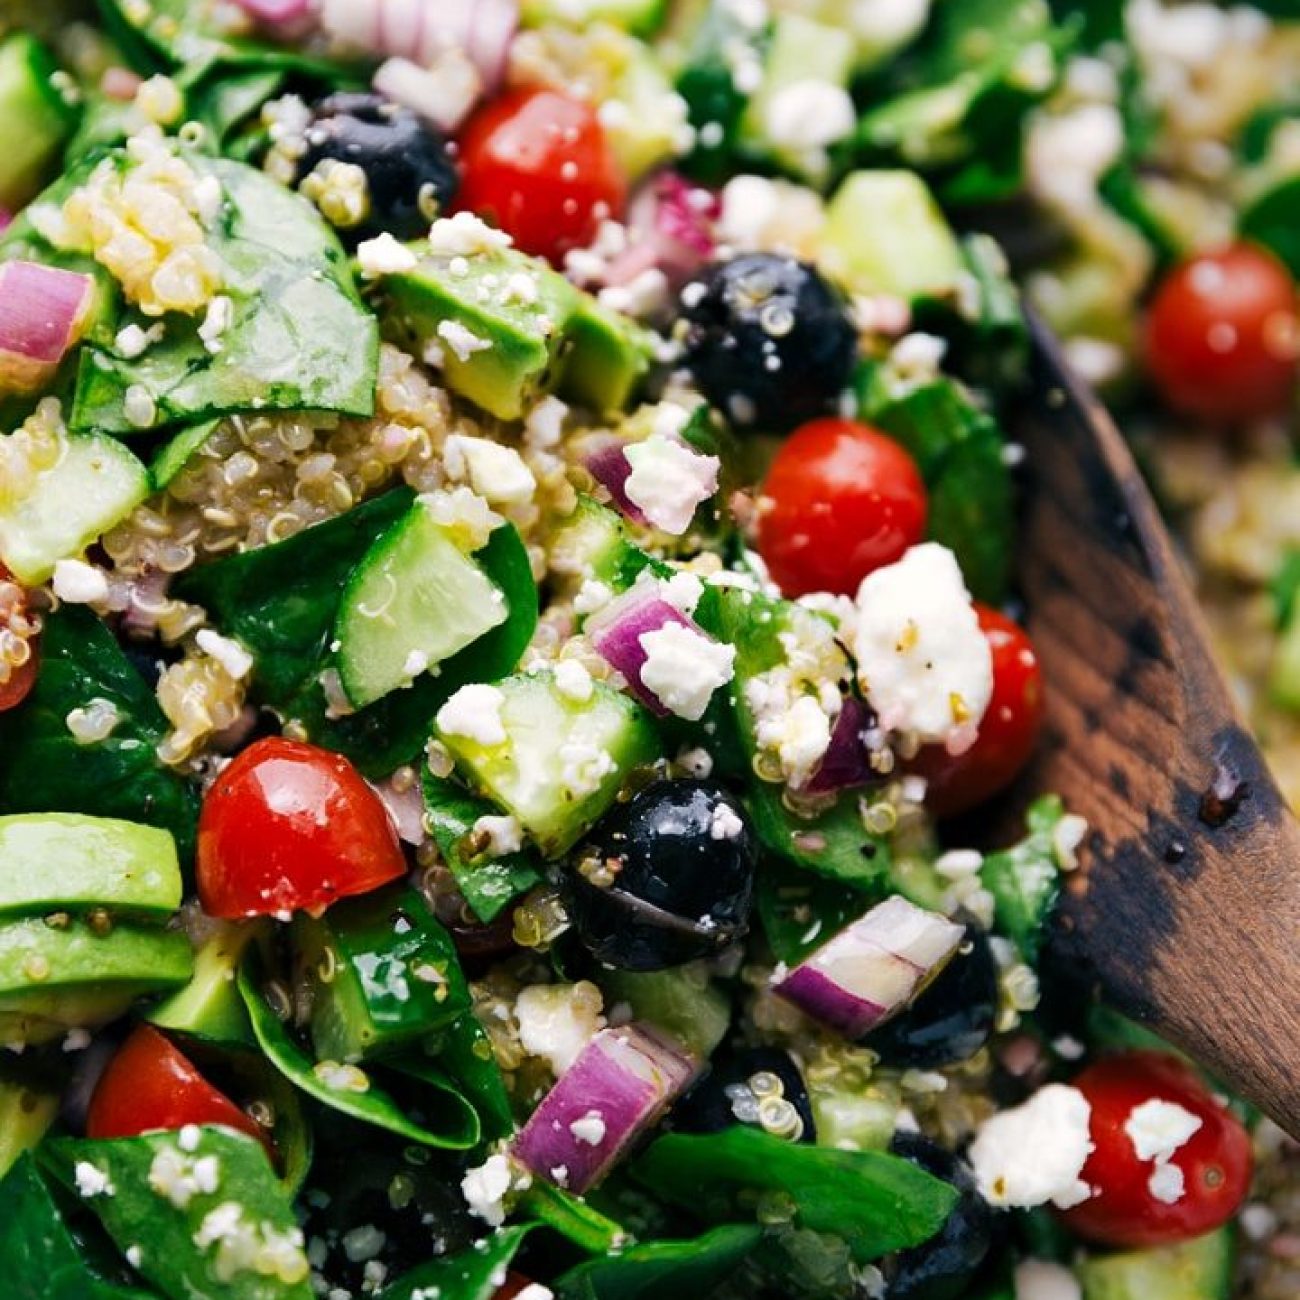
(1187, 905)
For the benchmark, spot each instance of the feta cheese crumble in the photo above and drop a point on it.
(573, 681)
(1158, 1128)
(1040, 1279)
(384, 255)
(589, 1129)
(1035, 1152)
(923, 661)
(463, 235)
(474, 712)
(79, 583)
(669, 481)
(484, 1189)
(556, 1021)
(724, 824)
(91, 1181)
(232, 656)
(497, 473)
(683, 668)
(504, 835)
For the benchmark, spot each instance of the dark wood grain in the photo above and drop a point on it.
(1187, 906)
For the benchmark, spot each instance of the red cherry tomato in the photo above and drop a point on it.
(16, 680)
(288, 826)
(1008, 731)
(150, 1085)
(1215, 1161)
(1223, 335)
(537, 163)
(842, 499)
(514, 1284)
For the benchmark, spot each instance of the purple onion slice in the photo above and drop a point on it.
(42, 312)
(846, 765)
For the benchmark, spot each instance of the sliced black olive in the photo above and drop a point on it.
(761, 1087)
(664, 879)
(408, 169)
(952, 1019)
(941, 1268)
(768, 340)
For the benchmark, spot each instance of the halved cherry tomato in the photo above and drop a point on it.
(16, 680)
(1008, 731)
(1223, 336)
(514, 1284)
(289, 826)
(841, 500)
(151, 1085)
(1127, 1207)
(537, 163)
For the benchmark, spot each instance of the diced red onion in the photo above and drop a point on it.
(872, 969)
(493, 33)
(619, 1086)
(120, 83)
(405, 808)
(605, 458)
(6, 219)
(42, 313)
(616, 631)
(847, 761)
(671, 221)
(278, 13)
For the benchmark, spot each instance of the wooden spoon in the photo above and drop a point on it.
(1186, 907)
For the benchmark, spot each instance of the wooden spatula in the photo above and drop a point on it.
(1187, 904)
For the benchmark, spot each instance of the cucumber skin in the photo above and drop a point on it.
(34, 118)
(1200, 1269)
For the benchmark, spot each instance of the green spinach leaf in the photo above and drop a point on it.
(184, 1217)
(800, 910)
(572, 1217)
(663, 1270)
(473, 1274)
(299, 338)
(877, 1202)
(1025, 880)
(44, 768)
(464, 1051)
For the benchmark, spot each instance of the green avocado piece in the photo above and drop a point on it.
(495, 323)
(383, 974)
(1200, 1269)
(209, 1006)
(70, 862)
(26, 1113)
(607, 358)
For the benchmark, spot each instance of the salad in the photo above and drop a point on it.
(509, 651)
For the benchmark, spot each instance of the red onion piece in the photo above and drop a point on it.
(42, 313)
(872, 969)
(674, 218)
(493, 33)
(606, 461)
(405, 808)
(847, 761)
(618, 1087)
(275, 13)
(6, 219)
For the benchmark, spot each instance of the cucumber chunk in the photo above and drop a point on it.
(35, 119)
(592, 543)
(414, 600)
(95, 483)
(68, 862)
(383, 974)
(1200, 1269)
(682, 1001)
(563, 761)
(641, 17)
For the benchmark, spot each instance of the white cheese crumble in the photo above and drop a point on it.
(463, 235)
(1035, 1152)
(461, 339)
(469, 519)
(132, 341)
(232, 656)
(592, 595)
(683, 591)
(556, 1021)
(583, 767)
(341, 1077)
(485, 1187)
(809, 114)
(79, 583)
(216, 321)
(589, 1129)
(683, 668)
(497, 473)
(91, 1181)
(573, 681)
(1167, 1183)
(180, 1178)
(1041, 1279)
(504, 835)
(1158, 1128)
(535, 1291)
(800, 735)
(544, 424)
(384, 255)
(669, 481)
(724, 824)
(923, 661)
(475, 713)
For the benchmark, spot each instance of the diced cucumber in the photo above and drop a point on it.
(885, 234)
(67, 862)
(563, 761)
(643, 115)
(852, 1117)
(25, 1116)
(209, 1006)
(1284, 670)
(880, 28)
(414, 600)
(593, 544)
(35, 119)
(682, 1001)
(801, 53)
(641, 17)
(1200, 1269)
(383, 974)
(95, 483)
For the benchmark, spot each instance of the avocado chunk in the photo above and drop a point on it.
(494, 323)
(607, 358)
(1200, 1269)
(209, 1006)
(69, 862)
(383, 974)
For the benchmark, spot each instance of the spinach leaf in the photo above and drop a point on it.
(43, 1260)
(226, 98)
(876, 1202)
(354, 1092)
(663, 1270)
(487, 883)
(800, 911)
(1025, 880)
(473, 1274)
(175, 453)
(185, 1235)
(1285, 587)
(464, 1051)
(572, 1217)
(1273, 219)
(300, 337)
(43, 768)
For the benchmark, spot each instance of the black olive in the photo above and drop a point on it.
(682, 857)
(734, 1089)
(941, 1268)
(769, 341)
(409, 171)
(952, 1019)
